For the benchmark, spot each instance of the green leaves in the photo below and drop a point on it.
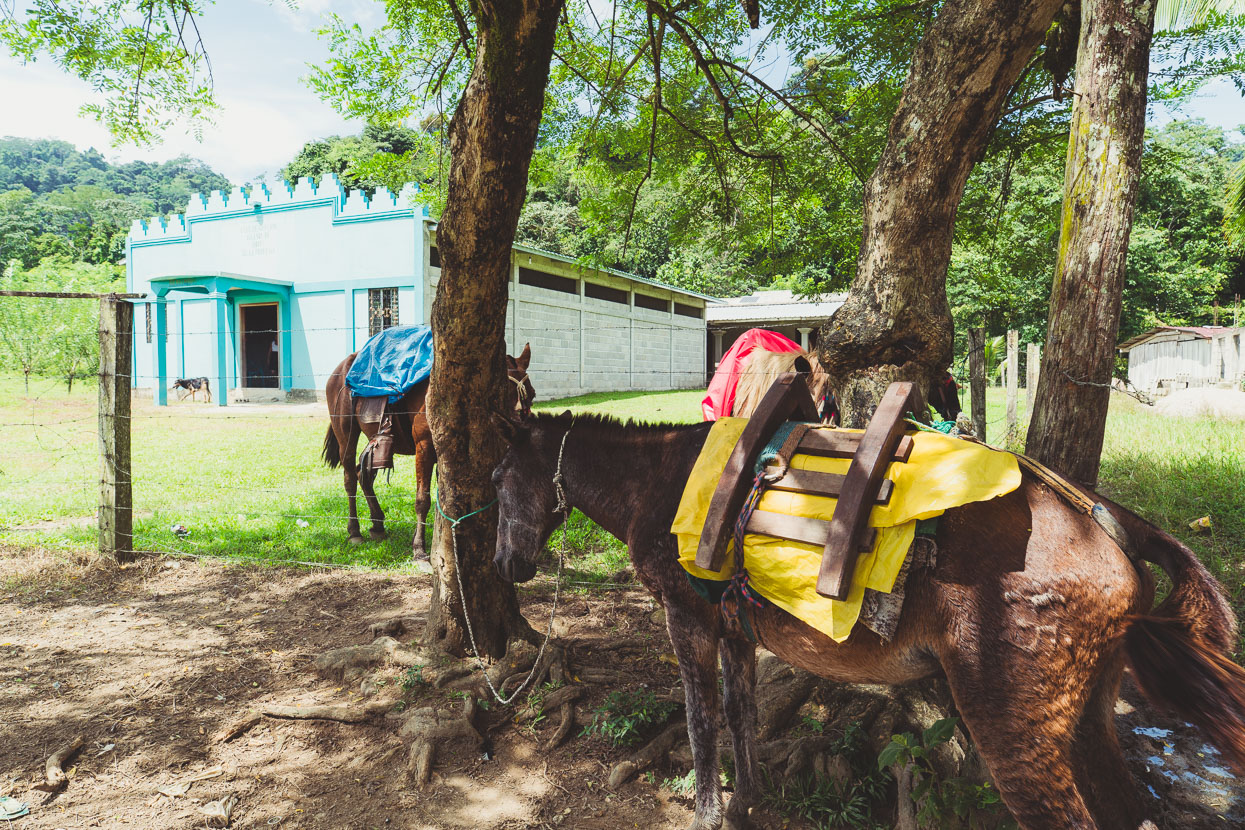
(144, 58)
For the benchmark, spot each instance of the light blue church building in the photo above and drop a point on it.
(265, 290)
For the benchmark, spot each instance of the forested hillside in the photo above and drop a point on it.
(56, 200)
(64, 215)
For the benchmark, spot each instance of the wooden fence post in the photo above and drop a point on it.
(1033, 365)
(977, 379)
(116, 518)
(1013, 380)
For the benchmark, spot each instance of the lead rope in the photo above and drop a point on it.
(562, 508)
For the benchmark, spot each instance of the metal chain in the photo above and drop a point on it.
(557, 586)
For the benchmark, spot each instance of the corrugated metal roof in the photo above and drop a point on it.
(1203, 332)
(773, 307)
(528, 249)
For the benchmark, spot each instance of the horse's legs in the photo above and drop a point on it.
(1023, 713)
(423, 493)
(1104, 780)
(739, 701)
(350, 477)
(367, 477)
(695, 640)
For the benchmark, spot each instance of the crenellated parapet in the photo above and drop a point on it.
(347, 206)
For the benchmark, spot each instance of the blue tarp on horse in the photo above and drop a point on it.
(391, 363)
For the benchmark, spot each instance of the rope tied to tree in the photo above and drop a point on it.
(564, 508)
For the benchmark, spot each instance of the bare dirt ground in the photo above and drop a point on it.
(147, 663)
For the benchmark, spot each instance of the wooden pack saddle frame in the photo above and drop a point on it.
(847, 534)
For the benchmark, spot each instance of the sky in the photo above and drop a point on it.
(259, 52)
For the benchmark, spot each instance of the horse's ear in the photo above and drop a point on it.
(525, 357)
(511, 432)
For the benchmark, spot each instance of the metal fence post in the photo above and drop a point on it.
(116, 517)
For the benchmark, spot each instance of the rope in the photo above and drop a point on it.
(557, 584)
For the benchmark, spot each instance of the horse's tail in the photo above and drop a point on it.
(1180, 651)
(331, 453)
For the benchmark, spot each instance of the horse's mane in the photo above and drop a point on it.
(763, 368)
(597, 422)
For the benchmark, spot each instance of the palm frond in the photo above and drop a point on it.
(1172, 15)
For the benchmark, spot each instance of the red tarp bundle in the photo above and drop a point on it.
(721, 398)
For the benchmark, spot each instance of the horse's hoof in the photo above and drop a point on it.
(377, 535)
(355, 540)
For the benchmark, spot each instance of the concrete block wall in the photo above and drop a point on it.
(582, 344)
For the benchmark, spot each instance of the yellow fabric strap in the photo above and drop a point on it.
(941, 473)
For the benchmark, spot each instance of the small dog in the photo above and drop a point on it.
(189, 386)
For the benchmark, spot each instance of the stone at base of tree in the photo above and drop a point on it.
(648, 755)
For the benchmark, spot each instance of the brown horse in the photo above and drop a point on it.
(411, 437)
(1030, 612)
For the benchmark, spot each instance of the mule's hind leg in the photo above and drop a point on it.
(694, 635)
(739, 701)
(1104, 779)
(1022, 696)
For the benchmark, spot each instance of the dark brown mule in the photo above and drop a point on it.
(411, 437)
(1031, 613)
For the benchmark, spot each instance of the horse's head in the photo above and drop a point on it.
(527, 499)
(818, 379)
(519, 393)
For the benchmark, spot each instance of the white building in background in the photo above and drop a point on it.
(265, 291)
(1180, 357)
(781, 311)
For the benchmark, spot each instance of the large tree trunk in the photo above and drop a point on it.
(492, 136)
(1100, 189)
(896, 324)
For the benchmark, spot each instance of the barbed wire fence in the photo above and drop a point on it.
(201, 497)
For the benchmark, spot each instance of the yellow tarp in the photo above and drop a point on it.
(941, 473)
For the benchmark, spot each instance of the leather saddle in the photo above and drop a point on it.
(847, 533)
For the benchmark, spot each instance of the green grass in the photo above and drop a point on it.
(241, 478)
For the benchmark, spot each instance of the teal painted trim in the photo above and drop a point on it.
(286, 356)
(181, 338)
(353, 285)
(159, 367)
(222, 352)
(331, 201)
(348, 293)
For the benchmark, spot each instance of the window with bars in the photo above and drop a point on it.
(382, 309)
(147, 313)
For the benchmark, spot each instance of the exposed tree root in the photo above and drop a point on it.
(350, 662)
(219, 813)
(429, 727)
(340, 713)
(648, 755)
(394, 627)
(54, 768)
(238, 726)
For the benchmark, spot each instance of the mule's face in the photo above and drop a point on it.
(527, 505)
(519, 392)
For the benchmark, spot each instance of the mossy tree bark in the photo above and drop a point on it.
(491, 136)
(896, 323)
(1100, 190)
